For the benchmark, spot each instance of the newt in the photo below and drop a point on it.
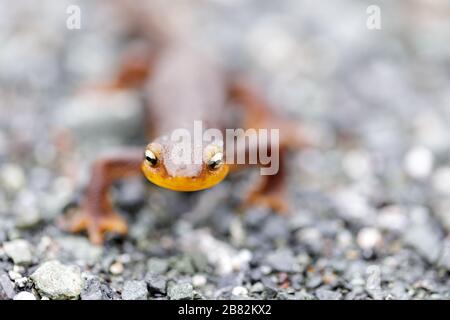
(182, 85)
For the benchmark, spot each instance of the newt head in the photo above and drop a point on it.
(162, 166)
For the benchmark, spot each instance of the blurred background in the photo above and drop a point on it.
(371, 199)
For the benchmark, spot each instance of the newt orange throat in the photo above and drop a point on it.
(160, 168)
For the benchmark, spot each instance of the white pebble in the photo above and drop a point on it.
(369, 238)
(116, 268)
(392, 218)
(265, 269)
(24, 295)
(441, 180)
(12, 177)
(199, 280)
(357, 164)
(13, 275)
(239, 291)
(241, 259)
(419, 162)
(344, 239)
(21, 282)
(19, 251)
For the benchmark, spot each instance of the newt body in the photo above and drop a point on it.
(181, 86)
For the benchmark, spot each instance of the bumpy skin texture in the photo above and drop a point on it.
(181, 86)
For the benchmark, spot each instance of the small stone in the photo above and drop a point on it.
(79, 249)
(369, 238)
(116, 268)
(182, 291)
(357, 164)
(275, 228)
(18, 269)
(419, 162)
(240, 291)
(24, 295)
(84, 115)
(135, 290)
(92, 290)
(13, 275)
(58, 281)
(157, 265)
(270, 288)
(265, 269)
(183, 265)
(313, 281)
(242, 258)
(325, 294)
(344, 239)
(353, 206)
(444, 259)
(282, 260)
(28, 217)
(199, 280)
(19, 251)
(156, 283)
(392, 218)
(222, 256)
(423, 236)
(311, 237)
(257, 287)
(12, 177)
(6, 286)
(21, 282)
(441, 180)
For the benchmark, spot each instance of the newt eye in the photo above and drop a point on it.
(216, 161)
(151, 158)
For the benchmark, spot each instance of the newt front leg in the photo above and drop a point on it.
(97, 215)
(271, 189)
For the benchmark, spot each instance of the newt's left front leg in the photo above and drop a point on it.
(271, 190)
(97, 215)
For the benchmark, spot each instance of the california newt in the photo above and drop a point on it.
(182, 85)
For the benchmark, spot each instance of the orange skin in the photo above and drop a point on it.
(204, 181)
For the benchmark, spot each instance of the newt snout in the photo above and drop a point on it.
(173, 165)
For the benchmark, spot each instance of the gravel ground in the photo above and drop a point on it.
(371, 205)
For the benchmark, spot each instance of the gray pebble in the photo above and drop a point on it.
(157, 265)
(282, 260)
(275, 228)
(6, 287)
(325, 294)
(444, 257)
(156, 283)
(257, 288)
(92, 290)
(24, 295)
(423, 236)
(183, 265)
(135, 290)
(19, 251)
(79, 249)
(57, 281)
(313, 281)
(181, 291)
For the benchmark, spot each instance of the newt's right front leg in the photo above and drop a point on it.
(97, 215)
